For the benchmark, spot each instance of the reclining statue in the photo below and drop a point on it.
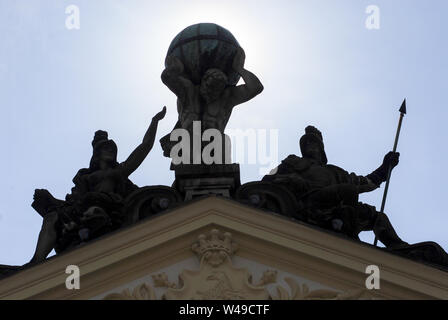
(95, 204)
(329, 195)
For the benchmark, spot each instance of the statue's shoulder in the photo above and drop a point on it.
(295, 163)
(333, 167)
(80, 175)
(341, 173)
(292, 158)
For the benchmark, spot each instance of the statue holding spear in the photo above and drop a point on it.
(329, 195)
(389, 170)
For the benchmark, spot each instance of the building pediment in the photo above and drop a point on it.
(216, 248)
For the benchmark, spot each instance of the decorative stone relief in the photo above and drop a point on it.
(218, 279)
(141, 292)
(302, 292)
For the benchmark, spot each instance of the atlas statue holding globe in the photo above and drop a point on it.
(203, 65)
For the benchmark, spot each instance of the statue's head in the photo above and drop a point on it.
(104, 151)
(312, 145)
(213, 84)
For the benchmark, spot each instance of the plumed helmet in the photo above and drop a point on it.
(100, 135)
(99, 142)
(313, 134)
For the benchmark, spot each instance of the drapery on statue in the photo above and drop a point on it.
(94, 205)
(329, 194)
(211, 101)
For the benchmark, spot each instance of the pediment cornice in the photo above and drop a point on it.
(165, 239)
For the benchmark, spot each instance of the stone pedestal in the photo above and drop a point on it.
(195, 180)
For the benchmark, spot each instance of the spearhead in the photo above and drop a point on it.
(403, 107)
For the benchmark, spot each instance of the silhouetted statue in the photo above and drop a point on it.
(329, 195)
(95, 204)
(211, 101)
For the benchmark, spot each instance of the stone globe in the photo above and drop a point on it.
(204, 46)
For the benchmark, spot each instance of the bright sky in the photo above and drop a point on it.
(318, 62)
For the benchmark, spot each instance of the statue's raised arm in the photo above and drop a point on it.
(172, 77)
(140, 153)
(252, 85)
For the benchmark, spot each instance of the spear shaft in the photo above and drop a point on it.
(397, 136)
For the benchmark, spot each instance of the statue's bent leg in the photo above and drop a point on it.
(385, 232)
(47, 237)
(332, 207)
(370, 219)
(334, 195)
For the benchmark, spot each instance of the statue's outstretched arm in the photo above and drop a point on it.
(252, 85)
(390, 161)
(367, 187)
(172, 77)
(373, 181)
(139, 154)
(44, 202)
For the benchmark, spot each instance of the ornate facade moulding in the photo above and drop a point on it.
(218, 279)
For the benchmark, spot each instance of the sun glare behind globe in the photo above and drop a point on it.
(227, 17)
